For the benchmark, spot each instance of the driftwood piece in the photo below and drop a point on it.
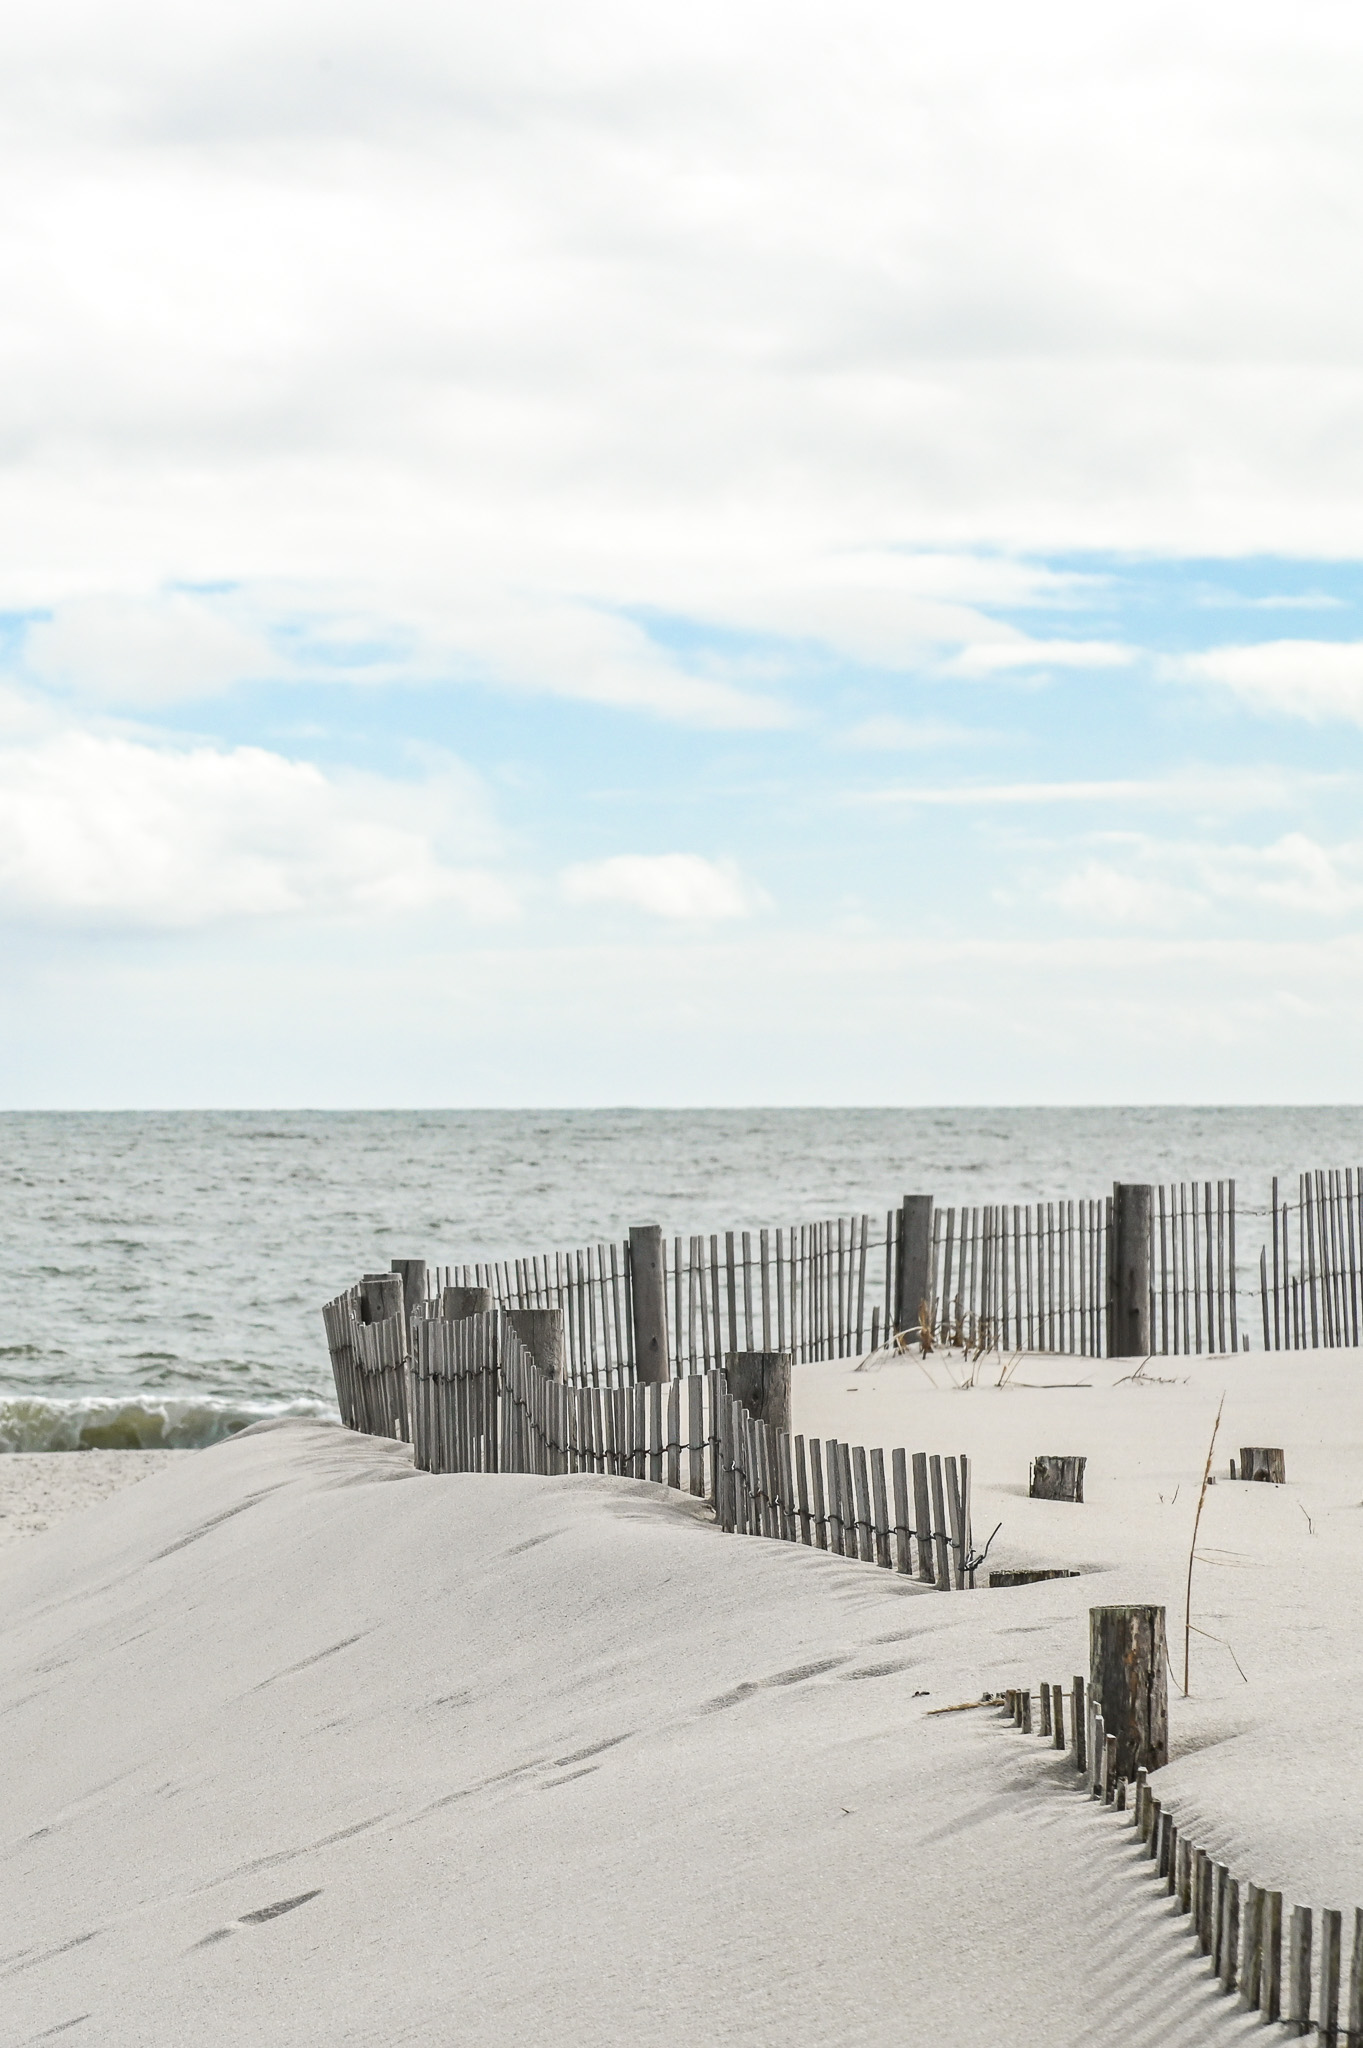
(1057, 1479)
(1129, 1685)
(761, 1381)
(1257, 1463)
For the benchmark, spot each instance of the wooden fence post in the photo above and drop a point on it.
(1132, 1205)
(915, 1259)
(1057, 1479)
(458, 1302)
(380, 1297)
(648, 1291)
(412, 1273)
(541, 1332)
(1129, 1683)
(761, 1381)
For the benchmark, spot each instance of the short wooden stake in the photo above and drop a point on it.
(1258, 1463)
(1027, 1711)
(1251, 1975)
(1219, 1876)
(1099, 1756)
(1327, 2022)
(1142, 1795)
(761, 1381)
(1078, 1725)
(1109, 1769)
(1152, 1807)
(1271, 1973)
(1230, 1940)
(1057, 1479)
(1045, 1704)
(1058, 1716)
(456, 1303)
(1166, 1824)
(1356, 1983)
(1120, 1801)
(1169, 1863)
(1202, 1900)
(1299, 1971)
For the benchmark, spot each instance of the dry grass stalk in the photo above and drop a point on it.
(1192, 1551)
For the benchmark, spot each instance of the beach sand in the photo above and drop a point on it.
(38, 1488)
(307, 1747)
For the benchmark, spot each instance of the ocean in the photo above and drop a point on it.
(164, 1272)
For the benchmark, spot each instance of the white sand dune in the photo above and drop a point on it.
(305, 1747)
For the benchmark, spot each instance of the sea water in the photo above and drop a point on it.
(164, 1273)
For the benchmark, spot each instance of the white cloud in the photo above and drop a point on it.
(1312, 679)
(143, 651)
(103, 830)
(668, 885)
(890, 734)
(1017, 651)
(1168, 884)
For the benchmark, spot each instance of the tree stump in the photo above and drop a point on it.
(1129, 1683)
(1021, 1578)
(458, 1302)
(1057, 1479)
(380, 1297)
(541, 1332)
(1256, 1463)
(760, 1380)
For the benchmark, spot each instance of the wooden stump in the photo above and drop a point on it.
(541, 1332)
(458, 1302)
(1057, 1479)
(1028, 1578)
(1256, 1463)
(648, 1293)
(1132, 1204)
(1129, 1683)
(761, 1381)
(380, 1297)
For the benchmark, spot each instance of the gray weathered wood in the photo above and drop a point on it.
(541, 1332)
(1057, 1479)
(899, 1472)
(915, 1260)
(1230, 1940)
(412, 1273)
(1271, 1980)
(1257, 1463)
(761, 1381)
(1018, 1577)
(1356, 1965)
(1058, 1716)
(1327, 2016)
(380, 1297)
(1299, 1971)
(458, 1302)
(1079, 1723)
(922, 1519)
(648, 1290)
(1128, 1678)
(1044, 1702)
(1132, 1204)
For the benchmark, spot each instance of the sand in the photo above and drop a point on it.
(305, 1746)
(38, 1488)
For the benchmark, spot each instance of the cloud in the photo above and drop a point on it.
(889, 734)
(105, 831)
(680, 886)
(1168, 884)
(1312, 679)
(143, 651)
(997, 656)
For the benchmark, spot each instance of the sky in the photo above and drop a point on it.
(592, 554)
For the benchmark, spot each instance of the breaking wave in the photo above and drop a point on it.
(175, 1423)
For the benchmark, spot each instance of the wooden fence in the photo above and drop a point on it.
(1255, 1944)
(1318, 1302)
(469, 1397)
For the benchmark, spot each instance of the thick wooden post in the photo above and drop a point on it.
(1129, 1683)
(412, 1273)
(541, 1332)
(1260, 1463)
(915, 1259)
(648, 1290)
(761, 1381)
(458, 1302)
(380, 1297)
(1132, 1204)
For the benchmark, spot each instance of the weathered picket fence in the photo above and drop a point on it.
(469, 1397)
(1255, 1944)
(1318, 1303)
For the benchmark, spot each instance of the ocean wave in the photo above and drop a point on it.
(95, 1423)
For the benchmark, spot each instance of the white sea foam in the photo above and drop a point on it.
(177, 1423)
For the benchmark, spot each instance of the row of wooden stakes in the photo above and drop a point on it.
(1238, 1925)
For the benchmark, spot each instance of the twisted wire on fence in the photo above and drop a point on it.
(469, 1397)
(1254, 1943)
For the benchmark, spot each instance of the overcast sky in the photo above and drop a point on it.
(736, 553)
